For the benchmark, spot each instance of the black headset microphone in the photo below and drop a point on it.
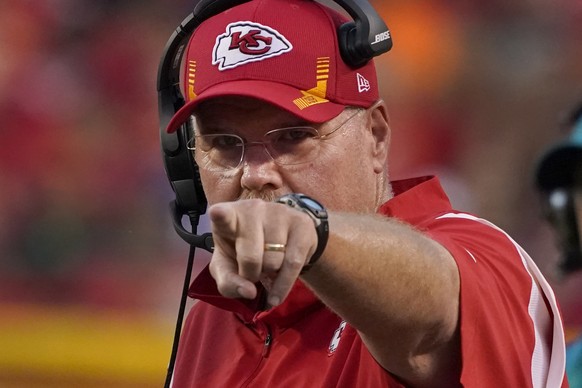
(359, 41)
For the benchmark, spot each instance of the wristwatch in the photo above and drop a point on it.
(318, 214)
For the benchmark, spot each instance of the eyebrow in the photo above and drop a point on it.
(199, 129)
(214, 129)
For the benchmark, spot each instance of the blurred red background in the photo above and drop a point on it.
(90, 268)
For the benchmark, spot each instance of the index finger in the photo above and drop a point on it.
(228, 282)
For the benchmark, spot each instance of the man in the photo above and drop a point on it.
(359, 282)
(559, 180)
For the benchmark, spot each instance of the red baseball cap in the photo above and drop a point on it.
(284, 52)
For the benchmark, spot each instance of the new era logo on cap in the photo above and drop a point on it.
(245, 42)
(363, 83)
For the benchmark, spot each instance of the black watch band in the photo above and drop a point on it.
(318, 214)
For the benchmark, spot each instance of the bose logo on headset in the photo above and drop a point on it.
(381, 37)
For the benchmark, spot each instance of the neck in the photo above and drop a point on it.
(383, 190)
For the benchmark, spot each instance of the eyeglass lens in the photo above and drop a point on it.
(286, 146)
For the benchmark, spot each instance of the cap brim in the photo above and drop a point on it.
(558, 167)
(276, 94)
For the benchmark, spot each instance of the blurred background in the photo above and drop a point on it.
(90, 268)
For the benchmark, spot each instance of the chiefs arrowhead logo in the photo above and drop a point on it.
(245, 42)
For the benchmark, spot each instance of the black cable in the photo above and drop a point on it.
(194, 221)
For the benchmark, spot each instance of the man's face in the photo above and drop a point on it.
(345, 175)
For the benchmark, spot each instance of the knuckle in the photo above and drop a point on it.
(213, 268)
(226, 285)
(248, 260)
(254, 205)
(222, 288)
(270, 266)
(295, 263)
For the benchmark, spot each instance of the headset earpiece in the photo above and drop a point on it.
(364, 38)
(346, 36)
(183, 172)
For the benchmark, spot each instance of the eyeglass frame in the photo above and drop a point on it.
(246, 143)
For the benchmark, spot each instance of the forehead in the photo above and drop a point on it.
(243, 112)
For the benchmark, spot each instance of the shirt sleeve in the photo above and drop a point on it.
(509, 324)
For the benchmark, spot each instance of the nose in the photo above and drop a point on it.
(260, 172)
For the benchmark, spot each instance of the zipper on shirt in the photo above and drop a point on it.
(267, 343)
(262, 327)
(264, 354)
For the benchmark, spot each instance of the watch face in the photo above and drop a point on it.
(311, 203)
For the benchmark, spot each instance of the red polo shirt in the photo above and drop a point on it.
(508, 330)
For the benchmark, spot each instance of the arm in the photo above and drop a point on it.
(400, 289)
(396, 286)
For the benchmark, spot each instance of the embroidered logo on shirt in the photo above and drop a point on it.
(245, 42)
(336, 338)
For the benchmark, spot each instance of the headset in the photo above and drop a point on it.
(359, 41)
(557, 180)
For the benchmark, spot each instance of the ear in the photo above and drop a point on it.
(380, 131)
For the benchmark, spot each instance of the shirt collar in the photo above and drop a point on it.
(415, 199)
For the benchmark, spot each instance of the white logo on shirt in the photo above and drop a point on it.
(336, 338)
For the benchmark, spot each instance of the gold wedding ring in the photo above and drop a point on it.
(274, 247)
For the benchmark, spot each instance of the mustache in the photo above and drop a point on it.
(266, 195)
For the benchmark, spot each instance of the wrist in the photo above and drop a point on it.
(318, 214)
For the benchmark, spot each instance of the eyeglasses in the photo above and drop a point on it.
(285, 146)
